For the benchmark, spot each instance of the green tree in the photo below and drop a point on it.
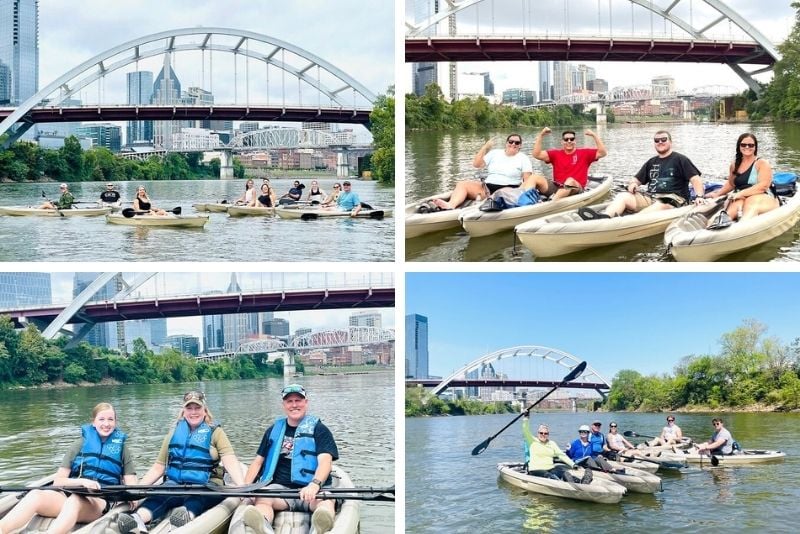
(26, 364)
(382, 127)
(72, 154)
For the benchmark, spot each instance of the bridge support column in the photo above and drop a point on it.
(342, 162)
(288, 366)
(601, 114)
(688, 113)
(226, 165)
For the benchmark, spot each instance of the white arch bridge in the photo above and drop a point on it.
(563, 363)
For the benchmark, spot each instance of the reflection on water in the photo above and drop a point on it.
(435, 161)
(222, 239)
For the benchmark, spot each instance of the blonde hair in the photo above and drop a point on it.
(209, 418)
(103, 406)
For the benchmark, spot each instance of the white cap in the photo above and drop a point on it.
(584, 428)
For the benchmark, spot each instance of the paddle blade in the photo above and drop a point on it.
(575, 373)
(378, 214)
(309, 217)
(128, 213)
(714, 461)
(177, 211)
(482, 446)
(630, 434)
(43, 195)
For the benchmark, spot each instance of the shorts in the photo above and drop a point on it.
(295, 505)
(494, 187)
(552, 187)
(642, 201)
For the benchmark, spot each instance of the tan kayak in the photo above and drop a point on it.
(214, 207)
(310, 214)
(418, 224)
(22, 211)
(482, 223)
(168, 220)
(744, 456)
(245, 211)
(689, 239)
(347, 518)
(567, 232)
(600, 490)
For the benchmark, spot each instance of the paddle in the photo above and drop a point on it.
(572, 375)
(632, 434)
(664, 463)
(44, 196)
(130, 212)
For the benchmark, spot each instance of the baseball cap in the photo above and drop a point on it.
(584, 428)
(293, 388)
(63, 186)
(596, 422)
(194, 397)
(345, 183)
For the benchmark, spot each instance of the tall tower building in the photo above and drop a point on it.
(166, 90)
(545, 80)
(562, 79)
(102, 334)
(238, 328)
(19, 50)
(24, 289)
(416, 346)
(213, 333)
(427, 72)
(140, 91)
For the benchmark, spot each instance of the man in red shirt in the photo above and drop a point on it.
(570, 164)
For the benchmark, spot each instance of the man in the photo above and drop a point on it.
(348, 200)
(64, 202)
(668, 175)
(670, 434)
(295, 193)
(570, 164)
(721, 441)
(110, 195)
(599, 445)
(296, 452)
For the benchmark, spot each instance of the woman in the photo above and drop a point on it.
(332, 199)
(194, 450)
(248, 196)
(750, 178)
(670, 434)
(541, 455)
(315, 195)
(617, 442)
(88, 463)
(141, 202)
(267, 197)
(507, 167)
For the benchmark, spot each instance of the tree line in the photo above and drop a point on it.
(27, 359)
(25, 161)
(381, 162)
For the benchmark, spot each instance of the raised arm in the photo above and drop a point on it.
(478, 162)
(601, 148)
(538, 153)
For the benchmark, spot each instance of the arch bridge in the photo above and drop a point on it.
(331, 95)
(562, 361)
(702, 31)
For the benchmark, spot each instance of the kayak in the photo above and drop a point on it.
(346, 521)
(418, 224)
(43, 212)
(666, 459)
(482, 223)
(168, 220)
(211, 206)
(744, 456)
(115, 206)
(685, 443)
(568, 232)
(242, 211)
(634, 480)
(600, 490)
(647, 467)
(689, 239)
(309, 213)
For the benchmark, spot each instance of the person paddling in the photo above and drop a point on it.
(100, 456)
(670, 434)
(541, 455)
(721, 441)
(64, 202)
(141, 202)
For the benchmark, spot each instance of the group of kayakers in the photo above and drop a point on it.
(296, 454)
(592, 448)
(670, 177)
(342, 196)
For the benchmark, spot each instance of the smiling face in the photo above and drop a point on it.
(295, 406)
(105, 422)
(194, 414)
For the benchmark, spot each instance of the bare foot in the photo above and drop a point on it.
(441, 204)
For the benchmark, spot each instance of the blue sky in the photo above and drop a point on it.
(646, 322)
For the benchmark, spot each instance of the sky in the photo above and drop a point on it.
(773, 18)
(187, 283)
(642, 321)
(358, 41)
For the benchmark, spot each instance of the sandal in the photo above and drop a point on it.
(588, 214)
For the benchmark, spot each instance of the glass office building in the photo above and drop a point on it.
(416, 346)
(24, 289)
(140, 92)
(19, 50)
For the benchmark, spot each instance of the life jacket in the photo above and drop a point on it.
(99, 460)
(304, 450)
(189, 458)
(597, 441)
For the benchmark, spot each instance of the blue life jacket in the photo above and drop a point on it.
(304, 450)
(99, 460)
(189, 458)
(597, 441)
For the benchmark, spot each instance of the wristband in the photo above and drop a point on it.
(317, 481)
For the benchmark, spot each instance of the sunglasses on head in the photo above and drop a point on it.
(747, 145)
(660, 139)
(568, 139)
(194, 395)
(514, 142)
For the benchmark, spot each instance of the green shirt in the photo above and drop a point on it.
(75, 448)
(220, 446)
(66, 201)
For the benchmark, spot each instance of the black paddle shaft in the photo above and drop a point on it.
(569, 378)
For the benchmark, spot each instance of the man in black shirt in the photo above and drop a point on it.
(296, 452)
(110, 195)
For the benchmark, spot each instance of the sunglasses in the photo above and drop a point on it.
(568, 139)
(660, 139)
(194, 395)
(544, 433)
(511, 142)
(670, 420)
(293, 388)
(583, 432)
(336, 187)
(747, 145)
(612, 426)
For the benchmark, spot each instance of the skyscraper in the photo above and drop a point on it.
(102, 334)
(562, 79)
(19, 49)
(545, 80)
(140, 91)
(213, 333)
(166, 90)
(416, 346)
(238, 328)
(24, 289)
(428, 72)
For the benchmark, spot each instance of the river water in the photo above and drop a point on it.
(448, 490)
(37, 425)
(435, 161)
(222, 239)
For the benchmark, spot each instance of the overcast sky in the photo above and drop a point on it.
(356, 40)
(189, 283)
(773, 18)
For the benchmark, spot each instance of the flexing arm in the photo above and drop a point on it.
(601, 148)
(478, 162)
(538, 153)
